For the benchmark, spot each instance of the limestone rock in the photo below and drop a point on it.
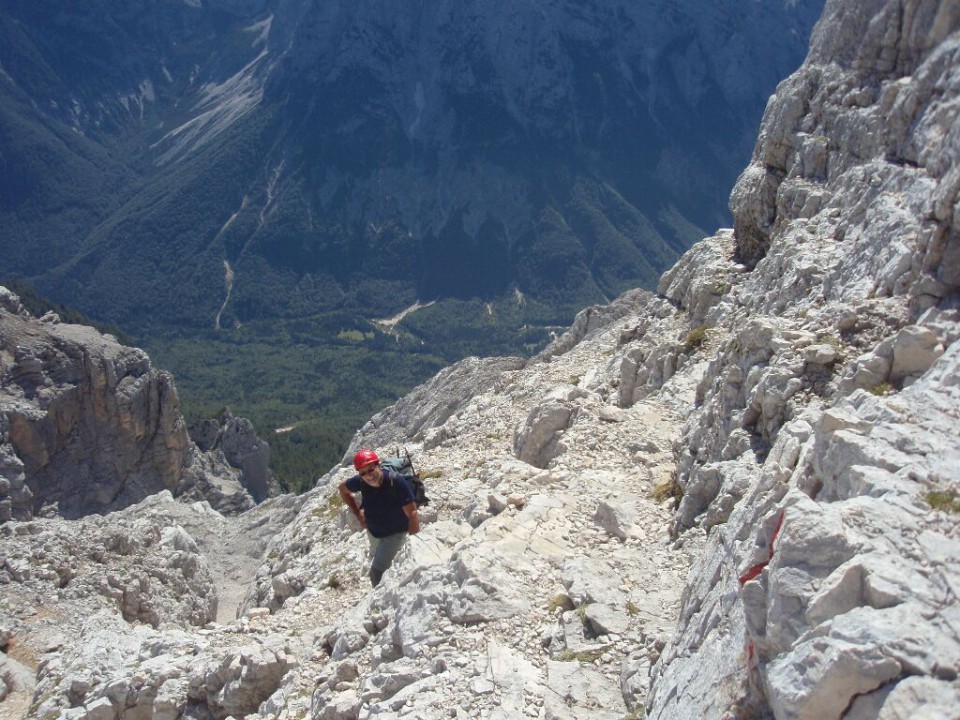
(432, 404)
(736, 499)
(88, 425)
(595, 318)
(700, 279)
(590, 581)
(606, 619)
(242, 449)
(537, 441)
(577, 692)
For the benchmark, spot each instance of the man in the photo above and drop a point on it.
(387, 510)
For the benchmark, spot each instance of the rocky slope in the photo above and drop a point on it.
(736, 497)
(824, 443)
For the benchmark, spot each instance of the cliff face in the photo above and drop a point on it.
(825, 432)
(88, 425)
(93, 424)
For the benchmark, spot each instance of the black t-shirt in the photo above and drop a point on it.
(383, 506)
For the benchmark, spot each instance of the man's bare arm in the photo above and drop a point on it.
(413, 518)
(351, 503)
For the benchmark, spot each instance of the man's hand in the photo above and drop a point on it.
(413, 518)
(351, 503)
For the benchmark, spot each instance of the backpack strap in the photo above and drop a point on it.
(390, 475)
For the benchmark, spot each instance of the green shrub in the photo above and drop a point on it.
(944, 500)
(883, 388)
(695, 338)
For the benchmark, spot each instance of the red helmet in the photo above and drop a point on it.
(364, 458)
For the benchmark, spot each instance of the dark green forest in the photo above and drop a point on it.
(309, 384)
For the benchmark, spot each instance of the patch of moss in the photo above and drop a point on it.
(559, 602)
(668, 489)
(330, 509)
(584, 656)
(833, 341)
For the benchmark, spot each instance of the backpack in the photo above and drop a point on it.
(403, 465)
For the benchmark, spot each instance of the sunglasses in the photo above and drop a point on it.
(367, 471)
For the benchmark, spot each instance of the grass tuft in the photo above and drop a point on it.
(695, 338)
(881, 389)
(945, 501)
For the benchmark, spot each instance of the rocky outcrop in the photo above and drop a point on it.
(93, 424)
(825, 423)
(863, 118)
(88, 425)
(237, 440)
(432, 404)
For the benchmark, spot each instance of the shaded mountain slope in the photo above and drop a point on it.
(567, 150)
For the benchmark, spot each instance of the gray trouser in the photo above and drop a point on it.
(384, 550)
